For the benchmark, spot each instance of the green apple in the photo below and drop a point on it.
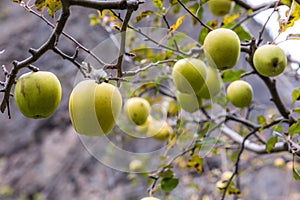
(226, 175)
(240, 93)
(37, 94)
(159, 130)
(150, 198)
(269, 60)
(137, 110)
(222, 48)
(189, 102)
(189, 75)
(144, 127)
(220, 185)
(213, 84)
(94, 107)
(219, 7)
(136, 165)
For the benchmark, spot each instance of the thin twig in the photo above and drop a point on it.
(145, 68)
(194, 16)
(123, 42)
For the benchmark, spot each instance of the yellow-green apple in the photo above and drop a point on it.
(159, 130)
(269, 60)
(213, 84)
(137, 110)
(136, 165)
(144, 127)
(222, 48)
(37, 94)
(240, 93)
(226, 175)
(219, 7)
(189, 75)
(94, 107)
(189, 102)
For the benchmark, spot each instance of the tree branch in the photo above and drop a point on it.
(194, 16)
(36, 54)
(123, 42)
(102, 5)
(253, 147)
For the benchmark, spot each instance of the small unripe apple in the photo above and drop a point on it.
(222, 48)
(94, 107)
(37, 94)
(159, 130)
(226, 175)
(269, 60)
(279, 162)
(189, 75)
(189, 102)
(150, 198)
(137, 110)
(219, 7)
(220, 185)
(144, 127)
(213, 84)
(136, 165)
(240, 93)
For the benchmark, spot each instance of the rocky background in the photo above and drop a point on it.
(44, 159)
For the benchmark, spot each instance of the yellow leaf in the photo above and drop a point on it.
(177, 24)
(53, 6)
(230, 18)
(286, 2)
(293, 14)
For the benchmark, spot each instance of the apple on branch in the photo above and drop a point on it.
(240, 93)
(37, 94)
(269, 60)
(222, 48)
(94, 107)
(219, 7)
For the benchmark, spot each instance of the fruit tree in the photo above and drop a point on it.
(189, 78)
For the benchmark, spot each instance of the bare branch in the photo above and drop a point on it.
(123, 42)
(36, 54)
(194, 16)
(132, 73)
(256, 148)
(102, 5)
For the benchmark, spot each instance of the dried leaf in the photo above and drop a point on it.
(142, 15)
(178, 22)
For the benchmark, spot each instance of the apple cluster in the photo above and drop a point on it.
(94, 107)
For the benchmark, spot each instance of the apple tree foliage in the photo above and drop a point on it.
(241, 131)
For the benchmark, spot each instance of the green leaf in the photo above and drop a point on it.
(158, 3)
(204, 31)
(169, 184)
(295, 95)
(296, 110)
(142, 15)
(166, 174)
(173, 2)
(261, 120)
(294, 128)
(296, 174)
(232, 75)
(53, 6)
(271, 143)
(39, 4)
(286, 2)
(243, 35)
